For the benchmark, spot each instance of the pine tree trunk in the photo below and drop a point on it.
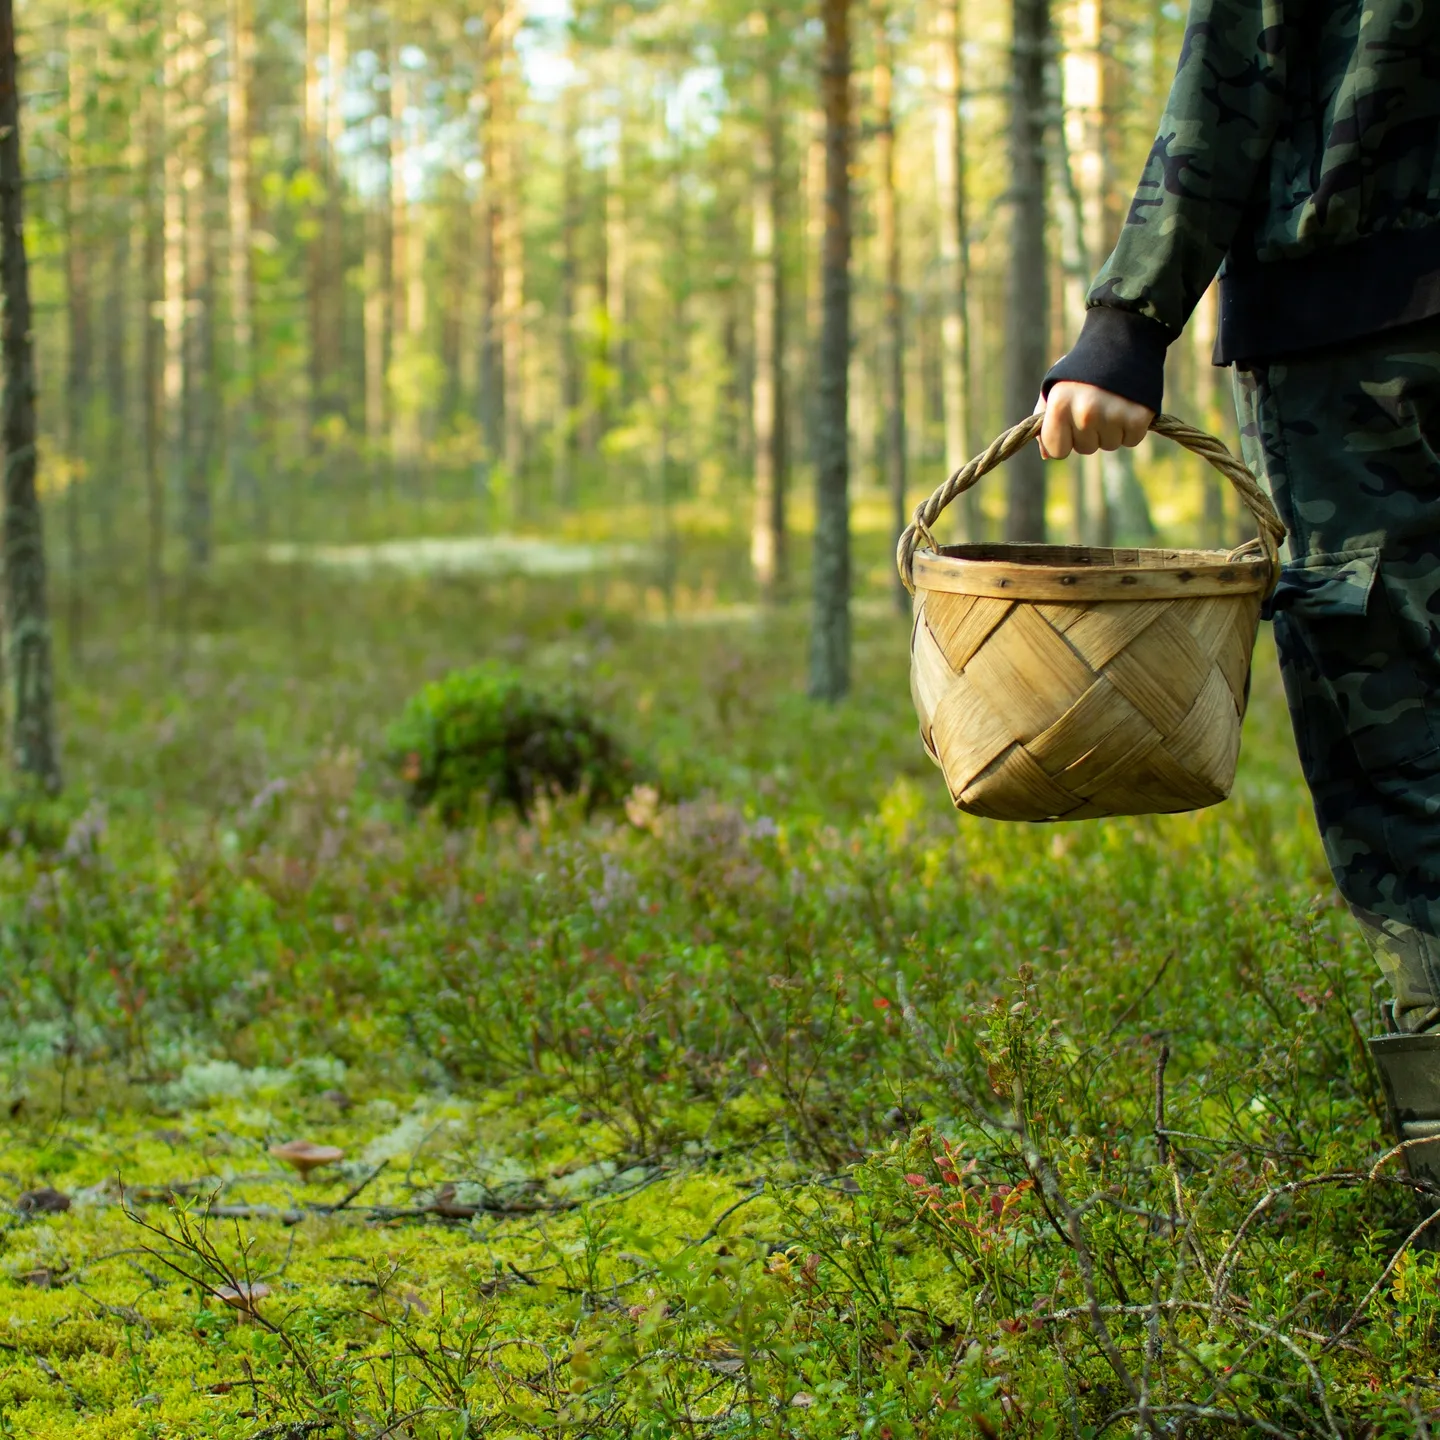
(407, 273)
(1027, 318)
(1081, 205)
(954, 255)
(512, 271)
(887, 226)
(28, 663)
(617, 282)
(78, 244)
(813, 281)
(240, 431)
(153, 349)
(767, 536)
(491, 227)
(313, 143)
(114, 440)
(335, 372)
(175, 91)
(830, 635)
(403, 245)
(199, 388)
(378, 312)
(568, 431)
(1203, 322)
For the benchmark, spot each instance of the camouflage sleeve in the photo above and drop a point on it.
(1226, 102)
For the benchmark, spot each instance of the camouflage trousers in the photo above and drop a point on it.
(1349, 441)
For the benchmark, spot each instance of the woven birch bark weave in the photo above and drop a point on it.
(1071, 683)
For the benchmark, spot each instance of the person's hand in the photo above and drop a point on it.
(1085, 418)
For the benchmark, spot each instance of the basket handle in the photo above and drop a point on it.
(1270, 528)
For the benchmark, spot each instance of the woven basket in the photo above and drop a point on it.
(1068, 683)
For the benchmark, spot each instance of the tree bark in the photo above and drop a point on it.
(617, 282)
(1027, 320)
(954, 254)
(78, 244)
(153, 351)
(1213, 527)
(830, 634)
(28, 662)
(512, 257)
(492, 240)
(176, 276)
(336, 389)
(1081, 204)
(767, 400)
(114, 437)
(887, 226)
(313, 142)
(240, 431)
(378, 311)
(199, 387)
(408, 275)
(568, 432)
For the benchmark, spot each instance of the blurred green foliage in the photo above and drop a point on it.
(485, 736)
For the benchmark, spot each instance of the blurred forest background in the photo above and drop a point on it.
(472, 436)
(332, 270)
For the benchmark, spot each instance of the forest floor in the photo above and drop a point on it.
(788, 1103)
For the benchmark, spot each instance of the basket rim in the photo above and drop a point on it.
(1022, 570)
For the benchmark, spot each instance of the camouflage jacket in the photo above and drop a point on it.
(1300, 145)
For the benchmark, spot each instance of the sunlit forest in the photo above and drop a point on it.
(483, 949)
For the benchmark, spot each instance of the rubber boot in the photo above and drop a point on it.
(1410, 1072)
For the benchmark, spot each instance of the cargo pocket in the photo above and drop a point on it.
(1327, 586)
(1351, 665)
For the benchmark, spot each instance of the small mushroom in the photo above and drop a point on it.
(305, 1155)
(243, 1298)
(338, 1098)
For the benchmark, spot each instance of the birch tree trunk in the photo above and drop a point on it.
(767, 398)
(28, 664)
(1027, 319)
(887, 225)
(830, 634)
(240, 431)
(954, 254)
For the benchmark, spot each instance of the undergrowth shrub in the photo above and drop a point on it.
(484, 736)
(33, 820)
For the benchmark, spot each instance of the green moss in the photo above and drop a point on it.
(696, 1065)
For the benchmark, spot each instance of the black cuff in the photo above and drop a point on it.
(1119, 351)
